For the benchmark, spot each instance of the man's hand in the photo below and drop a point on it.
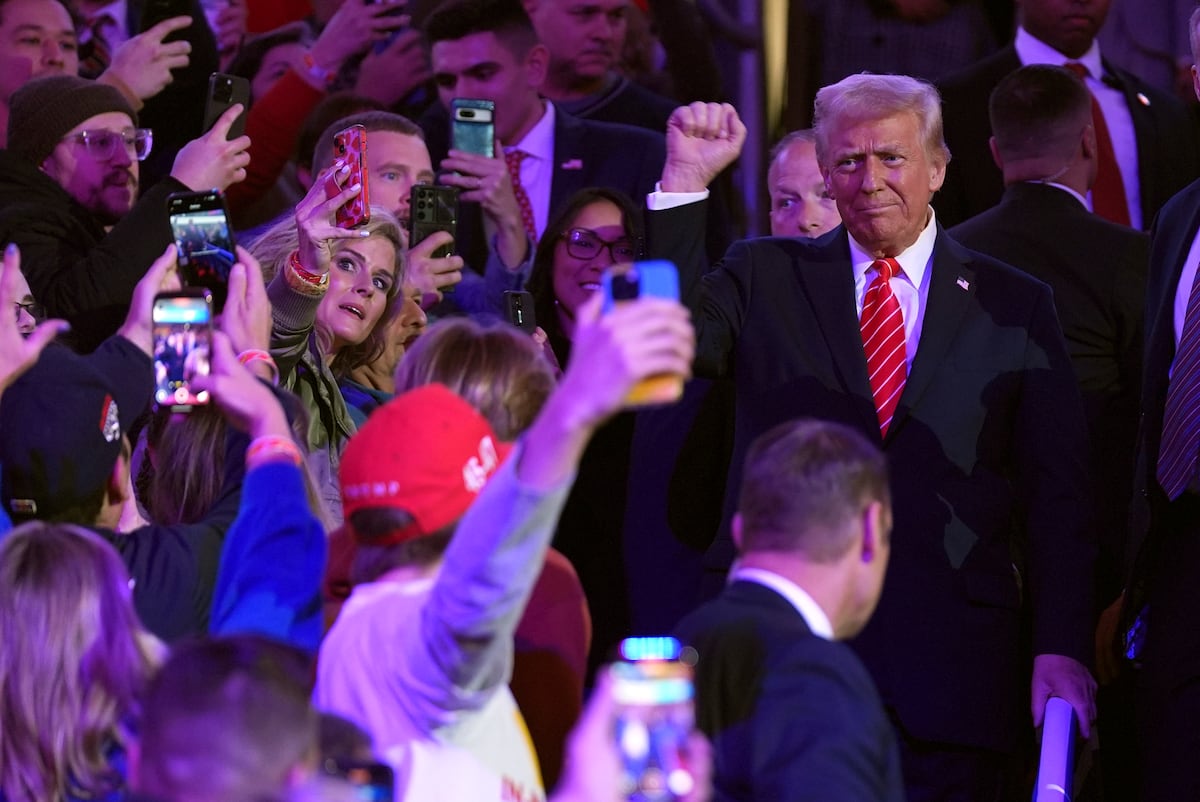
(487, 182)
(246, 319)
(355, 26)
(18, 353)
(213, 161)
(1057, 675)
(138, 327)
(144, 63)
(702, 140)
(429, 275)
(229, 29)
(389, 76)
(248, 404)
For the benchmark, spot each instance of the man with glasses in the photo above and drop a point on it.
(69, 196)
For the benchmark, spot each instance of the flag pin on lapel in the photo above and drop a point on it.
(1145, 101)
(572, 164)
(962, 282)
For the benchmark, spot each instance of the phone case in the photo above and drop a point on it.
(625, 282)
(518, 307)
(433, 208)
(473, 130)
(350, 146)
(224, 91)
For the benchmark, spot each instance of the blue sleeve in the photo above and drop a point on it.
(269, 580)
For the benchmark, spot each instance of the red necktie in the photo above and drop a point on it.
(1181, 419)
(1108, 193)
(513, 159)
(882, 328)
(97, 55)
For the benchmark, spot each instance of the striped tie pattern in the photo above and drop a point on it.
(882, 327)
(513, 159)
(1108, 191)
(1181, 419)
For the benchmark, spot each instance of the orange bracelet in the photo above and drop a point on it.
(272, 448)
(301, 280)
(259, 355)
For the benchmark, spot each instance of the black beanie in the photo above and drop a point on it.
(42, 111)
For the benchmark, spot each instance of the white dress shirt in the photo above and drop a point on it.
(537, 168)
(808, 608)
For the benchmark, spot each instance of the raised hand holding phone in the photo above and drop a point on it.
(316, 224)
(213, 160)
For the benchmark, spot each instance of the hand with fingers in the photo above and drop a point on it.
(316, 223)
(213, 161)
(144, 63)
(355, 26)
(486, 181)
(18, 351)
(391, 74)
(229, 28)
(702, 140)
(246, 319)
(138, 327)
(247, 403)
(431, 275)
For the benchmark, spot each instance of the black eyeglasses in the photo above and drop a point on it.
(102, 145)
(583, 243)
(33, 309)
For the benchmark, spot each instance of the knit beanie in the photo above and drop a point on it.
(42, 112)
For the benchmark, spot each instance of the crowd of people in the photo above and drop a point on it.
(935, 460)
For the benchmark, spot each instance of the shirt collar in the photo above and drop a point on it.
(914, 260)
(1082, 200)
(1032, 50)
(808, 608)
(538, 142)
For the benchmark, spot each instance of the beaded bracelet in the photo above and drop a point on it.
(302, 281)
(317, 72)
(259, 355)
(271, 448)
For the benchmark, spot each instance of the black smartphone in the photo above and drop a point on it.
(200, 225)
(518, 308)
(473, 129)
(652, 698)
(155, 11)
(182, 328)
(224, 91)
(372, 782)
(432, 207)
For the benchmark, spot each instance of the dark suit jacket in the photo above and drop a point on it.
(586, 154)
(985, 450)
(1097, 270)
(791, 716)
(1166, 131)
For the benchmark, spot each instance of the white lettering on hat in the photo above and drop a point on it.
(480, 467)
(110, 423)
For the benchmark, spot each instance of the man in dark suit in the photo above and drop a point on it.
(1045, 144)
(487, 49)
(1153, 135)
(973, 402)
(792, 713)
(1166, 584)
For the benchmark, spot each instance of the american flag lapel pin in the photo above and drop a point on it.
(963, 283)
(572, 164)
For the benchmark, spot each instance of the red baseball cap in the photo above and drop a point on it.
(427, 452)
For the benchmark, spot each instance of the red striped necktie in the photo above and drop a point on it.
(513, 159)
(882, 327)
(1181, 419)
(1108, 191)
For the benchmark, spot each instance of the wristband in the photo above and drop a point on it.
(259, 355)
(272, 448)
(301, 280)
(317, 72)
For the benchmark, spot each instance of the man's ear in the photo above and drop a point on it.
(996, 157)
(537, 64)
(117, 490)
(735, 530)
(874, 532)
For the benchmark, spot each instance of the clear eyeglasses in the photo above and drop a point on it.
(102, 145)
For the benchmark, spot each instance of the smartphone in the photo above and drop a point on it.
(653, 703)
(372, 782)
(396, 11)
(155, 11)
(224, 91)
(472, 129)
(204, 240)
(182, 328)
(350, 147)
(431, 208)
(632, 280)
(518, 307)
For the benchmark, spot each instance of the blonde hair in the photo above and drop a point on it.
(275, 246)
(497, 369)
(74, 665)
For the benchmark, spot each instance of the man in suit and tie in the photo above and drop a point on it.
(487, 49)
(1166, 583)
(955, 364)
(813, 531)
(1153, 136)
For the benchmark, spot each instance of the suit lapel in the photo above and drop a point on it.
(828, 285)
(951, 291)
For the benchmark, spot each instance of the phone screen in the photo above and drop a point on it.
(652, 692)
(204, 240)
(182, 338)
